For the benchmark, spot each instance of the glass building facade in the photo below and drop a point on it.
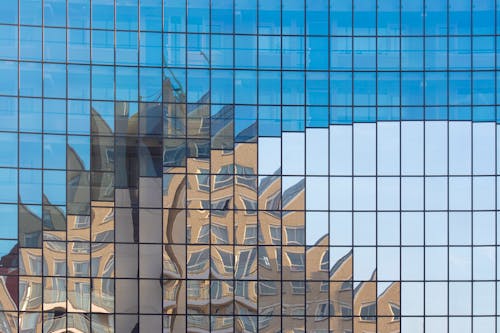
(249, 166)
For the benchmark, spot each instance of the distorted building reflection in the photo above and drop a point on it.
(168, 223)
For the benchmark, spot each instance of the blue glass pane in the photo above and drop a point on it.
(54, 116)
(8, 84)
(79, 146)
(8, 113)
(126, 14)
(30, 115)
(293, 17)
(174, 53)
(341, 115)
(8, 10)
(79, 45)
(341, 88)
(317, 88)
(293, 88)
(459, 113)
(8, 153)
(317, 48)
(412, 17)
(78, 117)
(245, 123)
(483, 113)
(54, 12)
(30, 186)
(269, 120)
(483, 12)
(102, 47)
(317, 17)
(9, 222)
(8, 42)
(341, 53)
(30, 11)
(30, 79)
(54, 186)
(364, 17)
(31, 43)
(79, 13)
(175, 15)
(411, 88)
(293, 118)
(436, 113)
(103, 14)
(150, 52)
(54, 80)
(269, 87)
(436, 17)
(412, 113)
(150, 84)
(245, 18)
(388, 17)
(151, 15)
(317, 116)
(388, 113)
(222, 16)
(341, 17)
(221, 88)
(103, 82)
(54, 151)
(245, 50)
(199, 16)
(365, 114)
(8, 183)
(246, 87)
(79, 81)
(269, 17)
(460, 17)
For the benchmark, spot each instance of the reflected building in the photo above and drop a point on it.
(248, 166)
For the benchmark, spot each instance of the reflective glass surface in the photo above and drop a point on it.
(249, 166)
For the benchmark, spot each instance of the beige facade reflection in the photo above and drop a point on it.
(197, 242)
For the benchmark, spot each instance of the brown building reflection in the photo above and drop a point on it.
(169, 225)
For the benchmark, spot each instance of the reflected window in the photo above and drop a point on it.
(346, 312)
(250, 206)
(298, 312)
(275, 232)
(245, 263)
(297, 261)
(324, 287)
(203, 179)
(204, 234)
(295, 235)
(298, 287)
(224, 177)
(220, 234)
(396, 312)
(268, 288)
(82, 222)
(227, 260)
(324, 266)
(264, 258)
(324, 310)
(245, 177)
(251, 234)
(369, 312)
(81, 268)
(59, 267)
(274, 202)
(198, 260)
(346, 285)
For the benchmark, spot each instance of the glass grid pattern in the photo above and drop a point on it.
(249, 166)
